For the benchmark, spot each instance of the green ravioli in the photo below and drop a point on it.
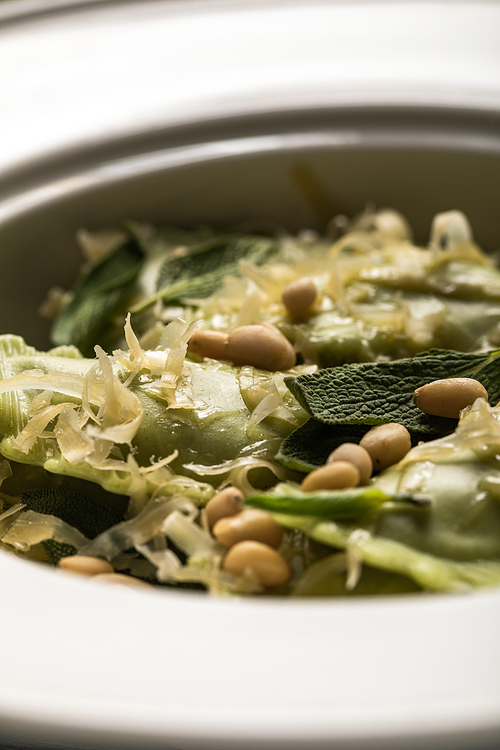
(210, 429)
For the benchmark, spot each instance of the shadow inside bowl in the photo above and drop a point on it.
(292, 170)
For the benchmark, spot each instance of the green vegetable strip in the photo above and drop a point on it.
(433, 573)
(335, 504)
(375, 393)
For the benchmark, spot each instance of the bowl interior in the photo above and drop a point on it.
(294, 177)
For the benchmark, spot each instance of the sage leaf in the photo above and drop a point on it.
(73, 508)
(375, 393)
(55, 551)
(309, 446)
(100, 294)
(197, 271)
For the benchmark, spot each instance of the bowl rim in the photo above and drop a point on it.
(54, 709)
(86, 164)
(433, 83)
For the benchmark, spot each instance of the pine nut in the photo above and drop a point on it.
(85, 566)
(122, 580)
(209, 344)
(227, 502)
(299, 295)
(387, 444)
(251, 524)
(339, 475)
(259, 345)
(354, 454)
(268, 566)
(447, 398)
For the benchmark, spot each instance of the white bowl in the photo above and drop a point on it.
(198, 112)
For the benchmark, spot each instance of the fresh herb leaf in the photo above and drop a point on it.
(375, 393)
(199, 270)
(57, 550)
(309, 446)
(98, 296)
(75, 509)
(335, 504)
(209, 261)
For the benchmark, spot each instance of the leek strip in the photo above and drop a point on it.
(31, 528)
(26, 439)
(7, 518)
(336, 504)
(187, 536)
(59, 382)
(127, 534)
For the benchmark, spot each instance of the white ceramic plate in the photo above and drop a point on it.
(197, 111)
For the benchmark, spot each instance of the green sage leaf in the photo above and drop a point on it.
(100, 294)
(375, 393)
(57, 550)
(76, 509)
(309, 446)
(197, 271)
